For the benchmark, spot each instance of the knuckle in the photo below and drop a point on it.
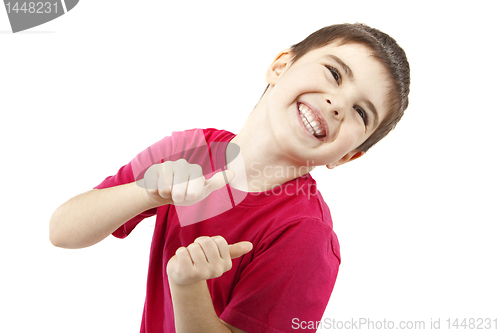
(203, 240)
(180, 163)
(193, 246)
(155, 169)
(228, 265)
(164, 193)
(151, 170)
(179, 250)
(219, 239)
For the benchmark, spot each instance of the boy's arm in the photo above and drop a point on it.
(188, 270)
(92, 216)
(232, 328)
(194, 310)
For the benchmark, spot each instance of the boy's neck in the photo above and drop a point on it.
(266, 165)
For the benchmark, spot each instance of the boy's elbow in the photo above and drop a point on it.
(56, 234)
(56, 240)
(62, 232)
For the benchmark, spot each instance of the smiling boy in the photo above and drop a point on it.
(329, 99)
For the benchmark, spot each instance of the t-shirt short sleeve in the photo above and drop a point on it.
(289, 280)
(125, 176)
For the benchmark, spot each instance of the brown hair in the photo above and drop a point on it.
(385, 49)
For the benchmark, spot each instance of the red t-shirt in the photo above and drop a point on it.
(289, 275)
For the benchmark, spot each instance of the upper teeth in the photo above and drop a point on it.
(310, 121)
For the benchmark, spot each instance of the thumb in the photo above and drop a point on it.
(238, 249)
(218, 181)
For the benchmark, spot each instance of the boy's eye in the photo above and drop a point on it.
(362, 113)
(335, 73)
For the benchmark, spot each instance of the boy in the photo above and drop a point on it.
(328, 100)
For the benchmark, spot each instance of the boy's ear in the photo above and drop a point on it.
(351, 156)
(279, 66)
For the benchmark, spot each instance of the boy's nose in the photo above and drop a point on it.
(336, 108)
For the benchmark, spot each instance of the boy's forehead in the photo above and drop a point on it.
(357, 57)
(335, 48)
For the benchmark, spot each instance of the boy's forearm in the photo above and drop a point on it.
(92, 216)
(194, 310)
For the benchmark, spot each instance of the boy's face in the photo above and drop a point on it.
(340, 90)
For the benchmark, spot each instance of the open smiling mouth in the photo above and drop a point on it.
(311, 121)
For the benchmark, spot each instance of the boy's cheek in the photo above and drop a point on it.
(297, 85)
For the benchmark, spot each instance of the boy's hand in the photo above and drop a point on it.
(206, 258)
(180, 183)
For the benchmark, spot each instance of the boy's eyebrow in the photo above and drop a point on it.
(348, 71)
(342, 64)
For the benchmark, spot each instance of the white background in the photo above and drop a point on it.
(80, 96)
